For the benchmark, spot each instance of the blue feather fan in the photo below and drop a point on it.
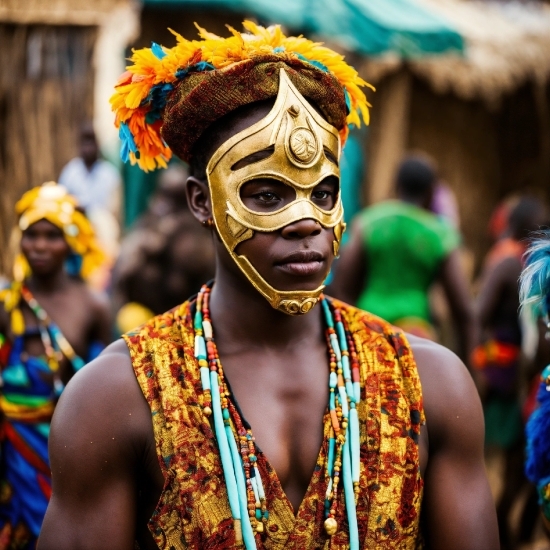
(535, 289)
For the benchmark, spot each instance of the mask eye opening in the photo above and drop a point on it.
(257, 156)
(330, 184)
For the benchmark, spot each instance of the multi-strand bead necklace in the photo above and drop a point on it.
(55, 344)
(236, 443)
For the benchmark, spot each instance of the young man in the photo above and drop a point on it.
(97, 186)
(397, 250)
(50, 323)
(264, 414)
(93, 181)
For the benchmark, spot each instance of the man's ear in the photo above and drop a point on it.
(198, 199)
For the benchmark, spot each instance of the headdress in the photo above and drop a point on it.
(52, 202)
(169, 97)
(535, 279)
(535, 291)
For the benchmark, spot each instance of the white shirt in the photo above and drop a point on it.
(98, 191)
(95, 189)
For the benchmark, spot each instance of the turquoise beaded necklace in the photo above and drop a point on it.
(236, 443)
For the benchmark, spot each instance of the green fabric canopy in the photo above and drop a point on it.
(370, 27)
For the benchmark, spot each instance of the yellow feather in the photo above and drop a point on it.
(148, 71)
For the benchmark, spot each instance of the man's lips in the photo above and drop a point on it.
(303, 262)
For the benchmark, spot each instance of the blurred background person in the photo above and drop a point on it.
(397, 249)
(50, 325)
(498, 355)
(164, 259)
(97, 186)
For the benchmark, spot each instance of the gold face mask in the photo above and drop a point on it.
(303, 144)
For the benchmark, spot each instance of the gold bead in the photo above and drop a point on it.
(331, 526)
(207, 411)
(259, 527)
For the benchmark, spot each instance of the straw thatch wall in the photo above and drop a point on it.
(56, 12)
(46, 92)
(506, 44)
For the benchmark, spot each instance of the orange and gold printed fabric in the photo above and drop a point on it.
(193, 511)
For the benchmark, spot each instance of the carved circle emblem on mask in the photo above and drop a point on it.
(303, 144)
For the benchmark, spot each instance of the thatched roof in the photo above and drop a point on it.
(57, 12)
(506, 45)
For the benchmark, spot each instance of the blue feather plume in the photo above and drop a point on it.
(535, 279)
(537, 430)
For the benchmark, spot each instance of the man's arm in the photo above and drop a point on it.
(456, 290)
(494, 282)
(458, 512)
(98, 433)
(351, 269)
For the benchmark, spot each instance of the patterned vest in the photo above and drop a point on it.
(193, 511)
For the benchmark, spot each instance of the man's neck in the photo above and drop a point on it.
(48, 283)
(419, 203)
(241, 316)
(89, 163)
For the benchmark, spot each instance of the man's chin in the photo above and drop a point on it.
(297, 283)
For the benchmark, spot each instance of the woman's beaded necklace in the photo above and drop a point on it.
(55, 344)
(236, 443)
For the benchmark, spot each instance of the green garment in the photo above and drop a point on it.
(405, 247)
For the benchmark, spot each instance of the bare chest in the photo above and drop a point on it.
(71, 313)
(284, 401)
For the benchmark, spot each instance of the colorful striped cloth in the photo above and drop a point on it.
(27, 402)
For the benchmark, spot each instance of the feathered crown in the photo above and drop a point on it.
(189, 86)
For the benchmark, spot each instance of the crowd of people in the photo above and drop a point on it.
(373, 429)
(400, 249)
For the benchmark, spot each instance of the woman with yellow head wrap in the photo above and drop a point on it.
(58, 251)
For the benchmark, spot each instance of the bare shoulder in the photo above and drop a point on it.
(102, 401)
(456, 483)
(451, 400)
(96, 301)
(436, 363)
(101, 436)
(506, 270)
